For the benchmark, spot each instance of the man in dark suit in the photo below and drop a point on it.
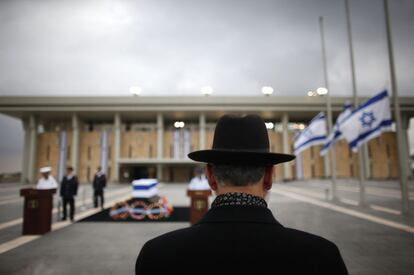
(239, 234)
(68, 190)
(99, 183)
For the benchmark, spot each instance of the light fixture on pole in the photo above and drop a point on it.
(311, 93)
(179, 124)
(269, 125)
(135, 90)
(322, 91)
(206, 90)
(267, 90)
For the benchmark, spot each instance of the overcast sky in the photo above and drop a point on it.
(175, 47)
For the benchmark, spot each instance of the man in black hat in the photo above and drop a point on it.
(239, 234)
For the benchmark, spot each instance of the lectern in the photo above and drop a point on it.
(199, 204)
(37, 212)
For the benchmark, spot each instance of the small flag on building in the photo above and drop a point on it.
(336, 133)
(314, 134)
(368, 121)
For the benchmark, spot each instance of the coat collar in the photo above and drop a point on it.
(237, 213)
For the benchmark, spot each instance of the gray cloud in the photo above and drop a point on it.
(174, 47)
(104, 47)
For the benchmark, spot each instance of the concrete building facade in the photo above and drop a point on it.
(134, 137)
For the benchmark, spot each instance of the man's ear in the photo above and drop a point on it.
(210, 177)
(267, 178)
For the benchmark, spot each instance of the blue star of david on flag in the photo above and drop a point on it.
(367, 119)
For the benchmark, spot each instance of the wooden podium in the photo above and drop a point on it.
(37, 212)
(199, 204)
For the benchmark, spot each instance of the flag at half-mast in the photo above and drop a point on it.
(367, 121)
(314, 134)
(336, 133)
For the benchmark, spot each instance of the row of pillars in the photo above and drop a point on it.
(29, 173)
(30, 145)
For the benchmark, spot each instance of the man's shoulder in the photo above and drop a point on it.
(282, 235)
(171, 237)
(303, 238)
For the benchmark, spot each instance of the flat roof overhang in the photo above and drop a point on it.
(153, 161)
(299, 108)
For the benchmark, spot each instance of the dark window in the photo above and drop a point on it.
(388, 151)
(129, 151)
(312, 152)
(88, 173)
(68, 153)
(89, 152)
(109, 152)
(90, 127)
(109, 173)
(48, 152)
(313, 170)
(150, 151)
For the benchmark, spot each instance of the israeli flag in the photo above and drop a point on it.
(368, 121)
(314, 134)
(144, 188)
(336, 133)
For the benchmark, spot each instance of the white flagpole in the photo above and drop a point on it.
(361, 157)
(397, 117)
(329, 112)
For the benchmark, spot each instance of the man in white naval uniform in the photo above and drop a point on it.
(47, 181)
(199, 182)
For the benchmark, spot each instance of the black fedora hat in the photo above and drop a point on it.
(240, 140)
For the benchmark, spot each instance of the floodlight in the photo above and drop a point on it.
(266, 90)
(135, 90)
(206, 90)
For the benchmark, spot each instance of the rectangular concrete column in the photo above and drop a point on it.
(117, 146)
(285, 146)
(75, 143)
(327, 164)
(405, 122)
(31, 169)
(202, 132)
(367, 161)
(159, 172)
(160, 143)
(25, 161)
(160, 136)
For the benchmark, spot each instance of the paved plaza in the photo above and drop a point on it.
(374, 239)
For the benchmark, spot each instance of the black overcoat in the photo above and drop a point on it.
(99, 182)
(69, 187)
(239, 240)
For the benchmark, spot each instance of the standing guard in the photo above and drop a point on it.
(69, 190)
(99, 183)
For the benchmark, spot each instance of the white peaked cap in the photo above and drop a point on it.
(45, 169)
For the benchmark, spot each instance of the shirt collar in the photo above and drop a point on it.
(239, 214)
(238, 198)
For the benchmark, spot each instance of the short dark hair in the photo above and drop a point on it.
(70, 168)
(237, 175)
